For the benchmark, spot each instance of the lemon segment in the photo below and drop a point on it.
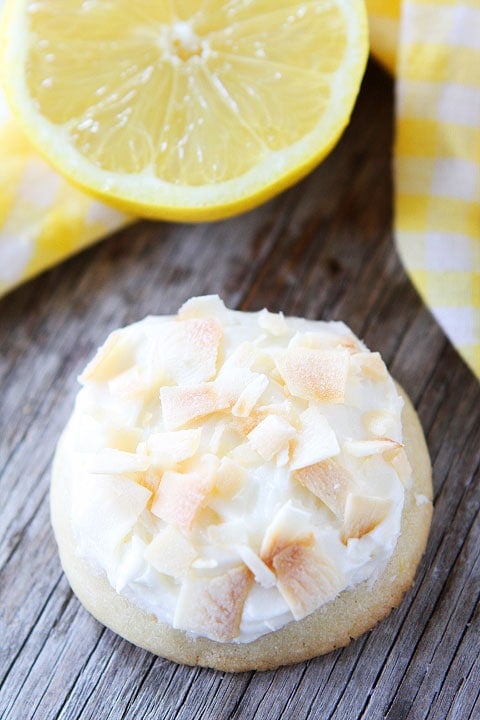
(187, 109)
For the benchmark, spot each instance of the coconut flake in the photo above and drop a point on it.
(180, 496)
(106, 508)
(124, 438)
(212, 607)
(329, 481)
(370, 365)
(114, 357)
(223, 439)
(364, 448)
(246, 456)
(262, 573)
(231, 382)
(129, 385)
(244, 356)
(288, 525)
(313, 374)
(271, 436)
(197, 349)
(363, 514)
(380, 423)
(187, 350)
(306, 578)
(204, 306)
(315, 441)
(169, 448)
(181, 405)
(249, 397)
(402, 467)
(170, 552)
(205, 564)
(273, 323)
(229, 478)
(284, 409)
(116, 462)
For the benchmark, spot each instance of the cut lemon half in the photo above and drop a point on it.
(184, 109)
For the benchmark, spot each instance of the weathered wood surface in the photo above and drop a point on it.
(323, 249)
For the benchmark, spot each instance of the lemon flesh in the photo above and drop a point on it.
(187, 109)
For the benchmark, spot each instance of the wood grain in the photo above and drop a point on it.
(324, 250)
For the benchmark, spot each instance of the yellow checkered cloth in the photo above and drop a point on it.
(434, 50)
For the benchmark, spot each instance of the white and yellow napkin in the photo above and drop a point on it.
(434, 50)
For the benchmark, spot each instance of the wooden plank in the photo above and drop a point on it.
(322, 249)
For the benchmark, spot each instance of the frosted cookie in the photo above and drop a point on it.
(240, 490)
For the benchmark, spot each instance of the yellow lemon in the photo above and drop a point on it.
(184, 109)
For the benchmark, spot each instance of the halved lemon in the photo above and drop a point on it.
(184, 109)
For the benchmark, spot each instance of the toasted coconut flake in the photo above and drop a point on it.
(106, 508)
(231, 382)
(363, 514)
(229, 478)
(195, 350)
(265, 363)
(149, 479)
(402, 467)
(212, 607)
(325, 339)
(186, 351)
(224, 438)
(205, 564)
(380, 423)
(370, 365)
(207, 515)
(243, 356)
(181, 405)
(179, 498)
(166, 449)
(170, 553)
(204, 306)
(364, 448)
(207, 465)
(116, 462)
(289, 525)
(315, 441)
(129, 385)
(124, 438)
(246, 456)
(271, 436)
(350, 343)
(114, 357)
(249, 397)
(284, 409)
(262, 573)
(306, 578)
(315, 374)
(243, 426)
(329, 481)
(273, 323)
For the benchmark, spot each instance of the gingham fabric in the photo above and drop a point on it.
(437, 155)
(434, 50)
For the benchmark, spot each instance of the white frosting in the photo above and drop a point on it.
(136, 437)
